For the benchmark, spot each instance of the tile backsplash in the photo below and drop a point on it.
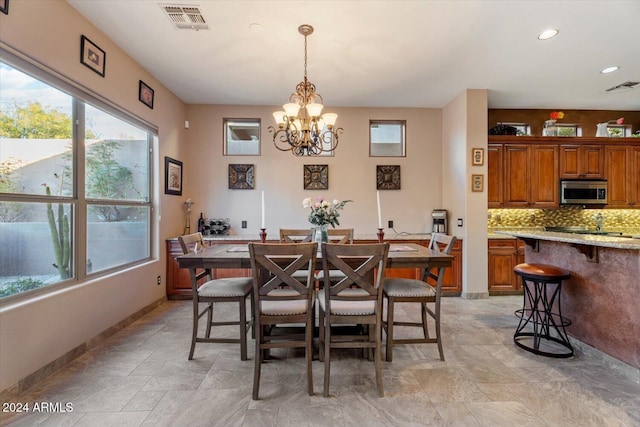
(615, 219)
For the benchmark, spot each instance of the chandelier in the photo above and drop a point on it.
(301, 128)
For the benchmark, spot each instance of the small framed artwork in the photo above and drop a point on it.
(316, 177)
(477, 183)
(172, 176)
(92, 56)
(4, 6)
(241, 177)
(478, 156)
(145, 94)
(388, 177)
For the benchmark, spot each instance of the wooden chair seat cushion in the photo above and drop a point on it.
(348, 308)
(397, 287)
(302, 274)
(333, 274)
(229, 287)
(284, 307)
(542, 271)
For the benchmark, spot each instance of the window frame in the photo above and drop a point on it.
(78, 202)
(403, 138)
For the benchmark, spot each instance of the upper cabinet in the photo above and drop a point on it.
(522, 176)
(581, 161)
(622, 167)
(525, 172)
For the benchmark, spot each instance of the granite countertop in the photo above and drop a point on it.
(580, 239)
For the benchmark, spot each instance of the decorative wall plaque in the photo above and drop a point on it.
(388, 177)
(241, 177)
(316, 177)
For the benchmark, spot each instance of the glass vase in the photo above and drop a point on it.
(321, 234)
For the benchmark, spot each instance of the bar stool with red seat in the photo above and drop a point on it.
(541, 313)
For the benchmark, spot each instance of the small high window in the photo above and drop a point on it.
(387, 138)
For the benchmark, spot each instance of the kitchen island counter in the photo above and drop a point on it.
(603, 294)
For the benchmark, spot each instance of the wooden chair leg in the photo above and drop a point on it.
(209, 319)
(243, 328)
(321, 334)
(373, 331)
(438, 336)
(378, 357)
(390, 307)
(327, 357)
(253, 316)
(257, 363)
(309, 350)
(425, 326)
(194, 334)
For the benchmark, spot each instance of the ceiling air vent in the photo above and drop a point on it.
(623, 86)
(185, 17)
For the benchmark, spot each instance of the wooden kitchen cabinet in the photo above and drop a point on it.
(530, 176)
(503, 256)
(635, 177)
(495, 171)
(581, 161)
(622, 167)
(618, 173)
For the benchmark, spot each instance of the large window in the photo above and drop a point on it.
(75, 183)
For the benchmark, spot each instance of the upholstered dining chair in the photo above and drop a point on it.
(235, 289)
(281, 299)
(399, 290)
(337, 235)
(355, 299)
(295, 235)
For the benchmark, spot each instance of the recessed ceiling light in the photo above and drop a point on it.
(610, 69)
(255, 26)
(547, 34)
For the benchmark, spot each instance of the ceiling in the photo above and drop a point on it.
(385, 53)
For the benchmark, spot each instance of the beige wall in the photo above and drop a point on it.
(36, 331)
(351, 172)
(464, 124)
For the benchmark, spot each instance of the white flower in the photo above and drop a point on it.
(325, 204)
(336, 201)
(306, 203)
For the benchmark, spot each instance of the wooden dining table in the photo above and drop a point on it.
(406, 255)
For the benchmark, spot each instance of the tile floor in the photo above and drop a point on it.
(141, 376)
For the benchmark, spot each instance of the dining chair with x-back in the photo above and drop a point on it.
(404, 290)
(282, 299)
(356, 299)
(209, 291)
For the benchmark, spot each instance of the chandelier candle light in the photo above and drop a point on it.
(301, 128)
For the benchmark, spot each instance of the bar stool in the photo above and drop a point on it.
(542, 285)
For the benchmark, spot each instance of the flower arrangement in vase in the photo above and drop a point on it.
(550, 128)
(324, 214)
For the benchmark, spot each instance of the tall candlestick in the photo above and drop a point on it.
(263, 209)
(379, 212)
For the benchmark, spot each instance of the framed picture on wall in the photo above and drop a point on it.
(477, 155)
(388, 177)
(241, 177)
(316, 177)
(4, 6)
(477, 183)
(145, 94)
(172, 176)
(92, 56)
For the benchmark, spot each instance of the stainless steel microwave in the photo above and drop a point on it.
(583, 192)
